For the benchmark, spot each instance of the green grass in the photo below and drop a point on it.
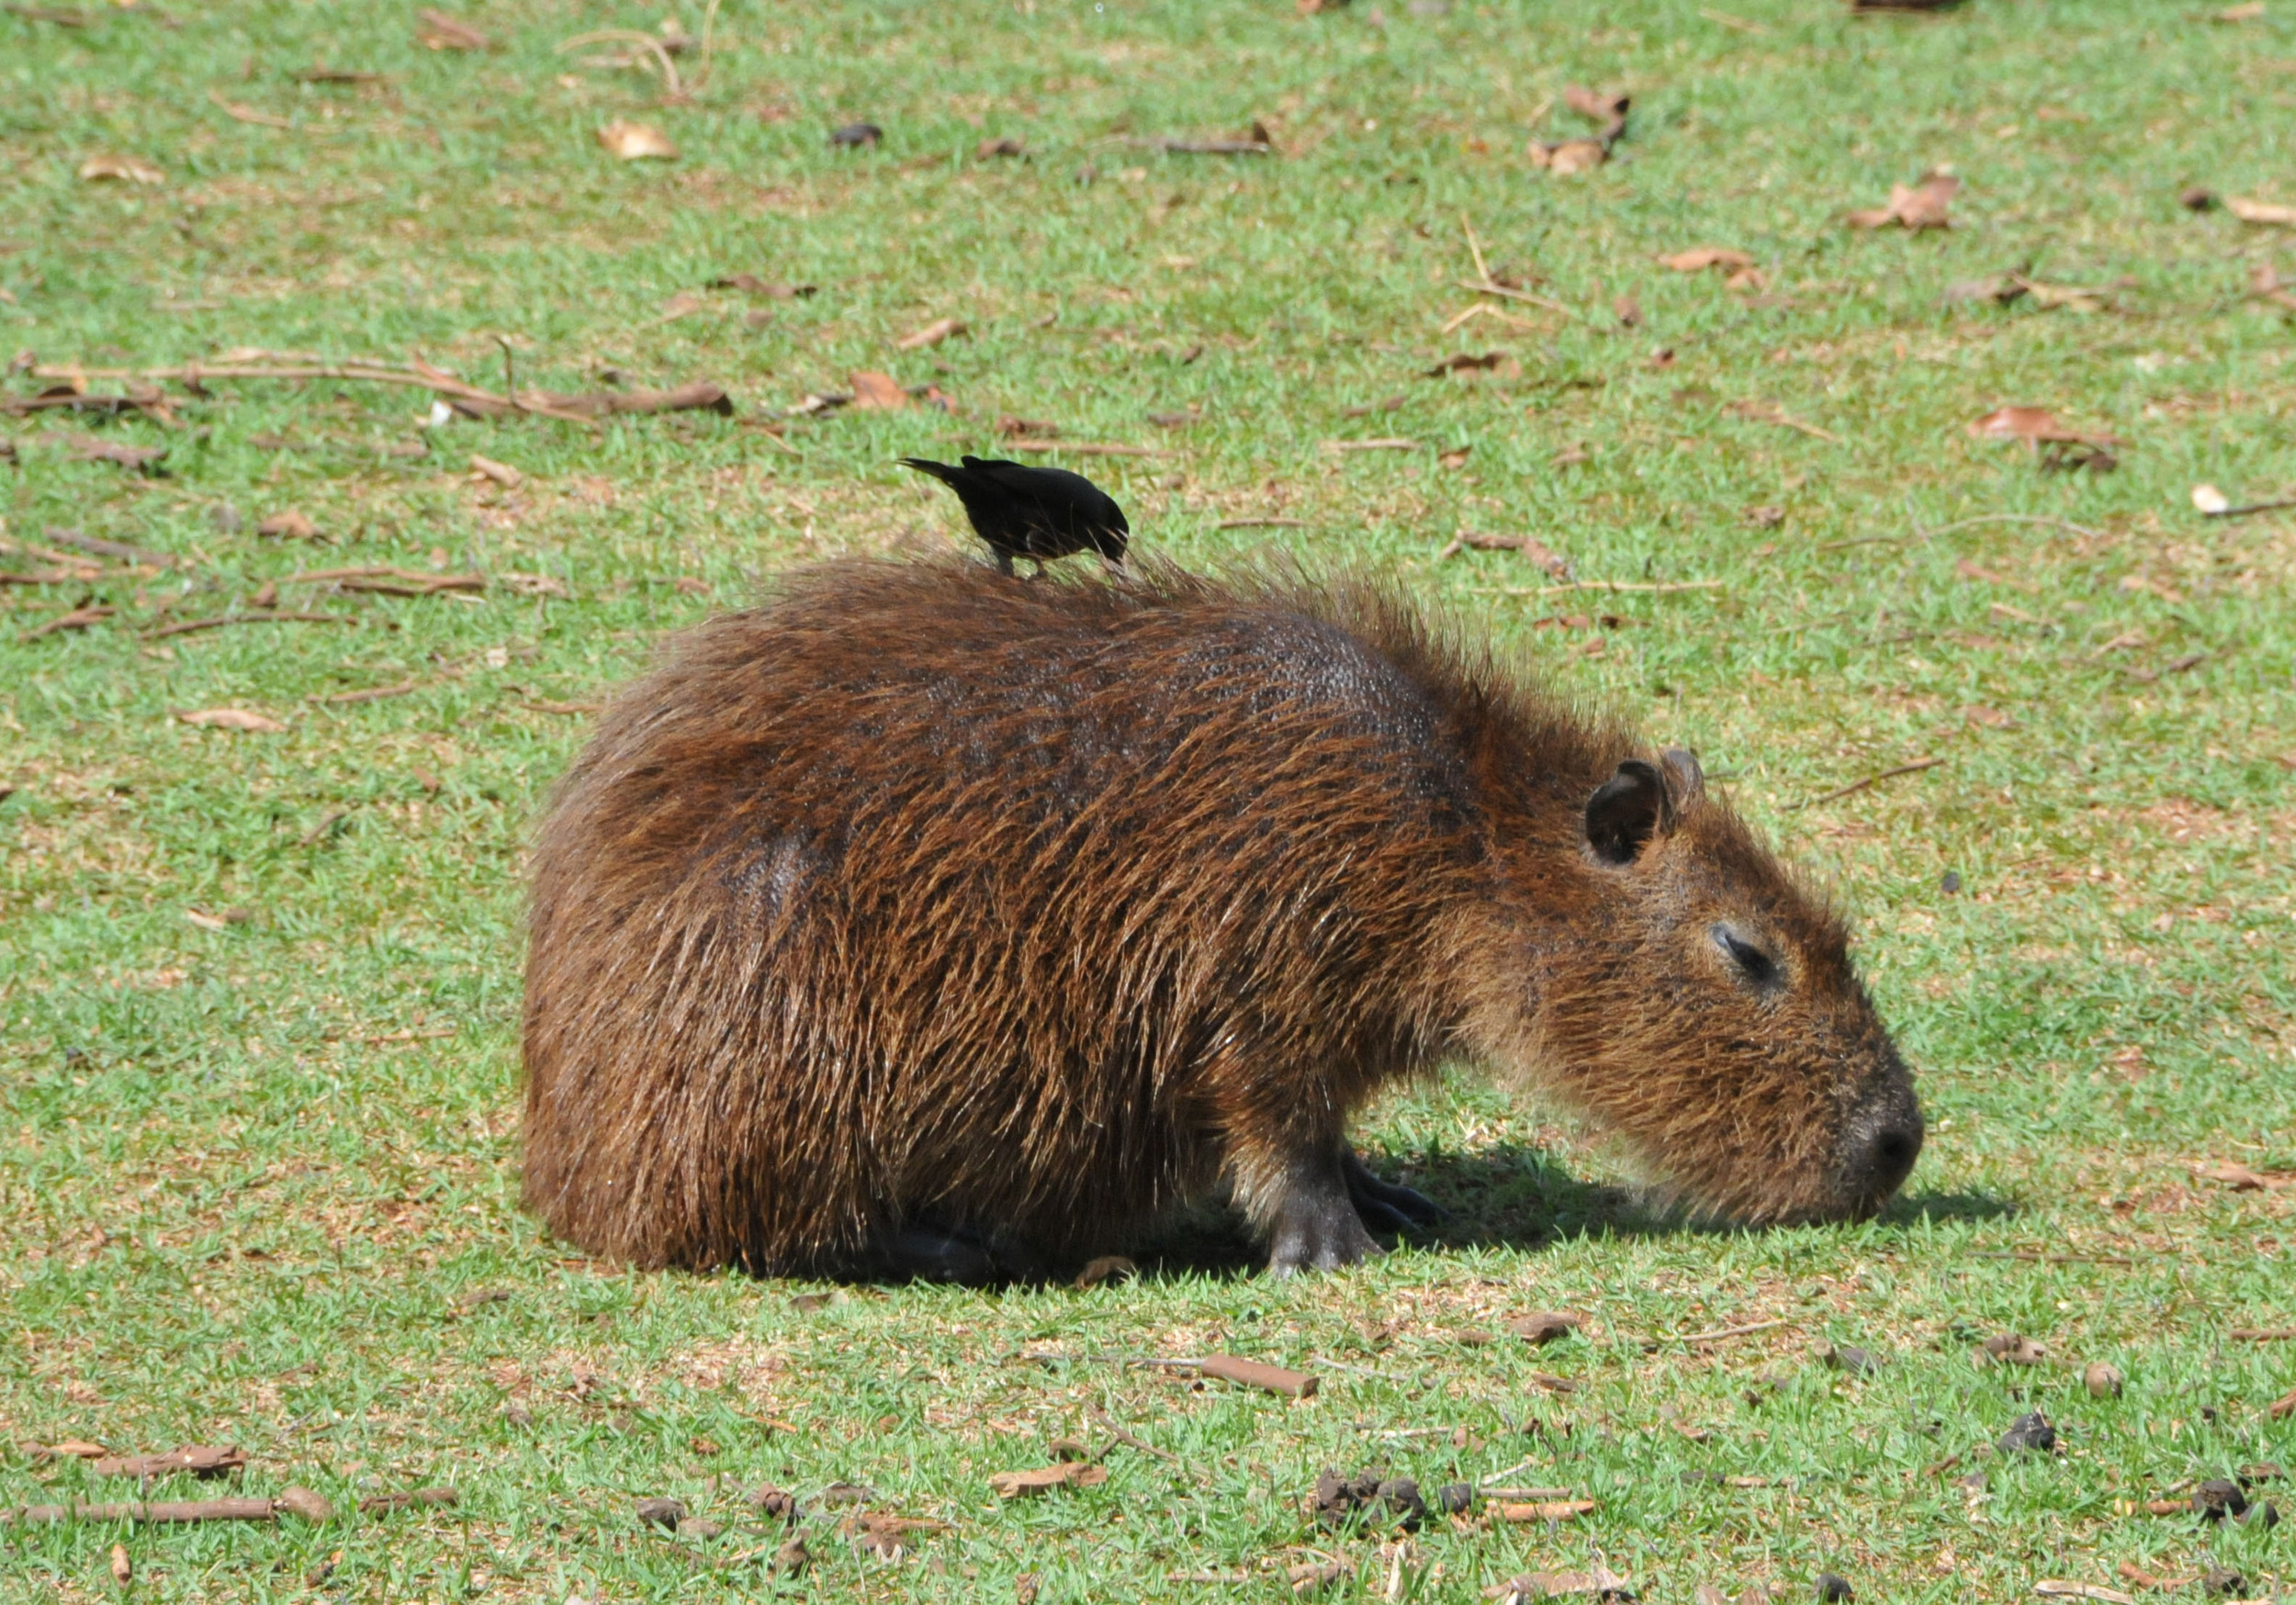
(252, 1174)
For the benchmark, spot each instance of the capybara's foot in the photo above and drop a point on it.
(1317, 1226)
(1387, 1206)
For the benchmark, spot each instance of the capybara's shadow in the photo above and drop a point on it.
(1512, 1196)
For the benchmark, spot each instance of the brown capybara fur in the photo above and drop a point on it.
(923, 912)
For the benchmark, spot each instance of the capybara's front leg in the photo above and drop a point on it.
(1309, 1216)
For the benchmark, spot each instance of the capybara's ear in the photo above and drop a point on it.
(1685, 782)
(1625, 811)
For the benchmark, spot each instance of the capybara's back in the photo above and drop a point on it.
(924, 915)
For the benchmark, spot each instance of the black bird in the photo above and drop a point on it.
(1039, 513)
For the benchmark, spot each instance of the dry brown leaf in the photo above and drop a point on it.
(502, 474)
(2249, 12)
(1570, 156)
(684, 304)
(933, 334)
(289, 525)
(1707, 256)
(232, 719)
(1914, 205)
(1017, 1484)
(439, 31)
(1544, 1326)
(123, 1569)
(2025, 423)
(2256, 212)
(881, 391)
(637, 142)
(1628, 311)
(1007, 146)
(122, 169)
(1599, 1581)
(2011, 1349)
(71, 1449)
(1604, 106)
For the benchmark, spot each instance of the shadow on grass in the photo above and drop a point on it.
(1512, 1196)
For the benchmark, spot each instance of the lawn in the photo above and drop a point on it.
(259, 987)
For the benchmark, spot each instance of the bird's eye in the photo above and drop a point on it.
(1757, 967)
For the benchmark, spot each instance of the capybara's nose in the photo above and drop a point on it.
(1884, 1158)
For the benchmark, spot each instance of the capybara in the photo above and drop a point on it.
(923, 920)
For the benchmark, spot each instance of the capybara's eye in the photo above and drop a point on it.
(1758, 966)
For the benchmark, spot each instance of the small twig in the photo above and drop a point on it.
(510, 372)
(1719, 1333)
(2251, 507)
(1122, 1436)
(1858, 541)
(709, 25)
(221, 620)
(2010, 518)
(1653, 589)
(374, 694)
(103, 548)
(317, 833)
(168, 1511)
(2262, 1334)
(1082, 449)
(1342, 1366)
(1918, 765)
(1514, 295)
(2034, 1256)
(672, 89)
(1254, 524)
(247, 114)
(1724, 19)
(1474, 249)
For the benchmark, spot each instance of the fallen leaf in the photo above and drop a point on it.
(880, 392)
(700, 1527)
(2102, 1381)
(1604, 106)
(2248, 12)
(661, 1512)
(1315, 1576)
(1767, 516)
(2011, 1349)
(1107, 1268)
(1628, 310)
(2256, 212)
(123, 1569)
(1454, 458)
(1707, 256)
(1015, 1485)
(2029, 424)
(1007, 146)
(502, 474)
(637, 142)
(438, 31)
(200, 1459)
(1914, 205)
(122, 169)
(1544, 1326)
(1013, 428)
(857, 135)
(2281, 1409)
(1570, 156)
(1844, 1357)
(71, 1449)
(2196, 197)
(684, 304)
(232, 719)
(933, 334)
(289, 525)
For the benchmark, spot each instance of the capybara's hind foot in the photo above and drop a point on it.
(1317, 1227)
(1387, 1206)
